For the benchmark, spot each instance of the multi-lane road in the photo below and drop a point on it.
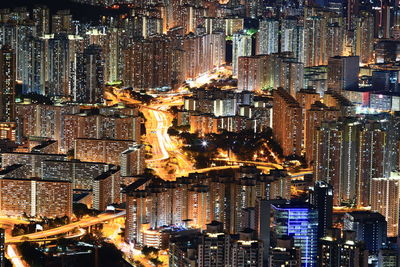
(164, 147)
(75, 227)
(71, 227)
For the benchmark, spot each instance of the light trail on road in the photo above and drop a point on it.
(164, 147)
(86, 222)
(15, 257)
(258, 163)
(10, 241)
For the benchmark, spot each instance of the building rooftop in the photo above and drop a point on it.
(366, 215)
(135, 185)
(290, 100)
(343, 101)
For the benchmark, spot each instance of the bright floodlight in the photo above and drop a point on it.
(204, 143)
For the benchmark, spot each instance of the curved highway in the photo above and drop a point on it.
(163, 145)
(86, 222)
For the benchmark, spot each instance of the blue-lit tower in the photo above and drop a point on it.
(300, 220)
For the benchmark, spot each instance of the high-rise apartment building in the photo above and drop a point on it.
(90, 76)
(314, 116)
(385, 199)
(43, 121)
(336, 100)
(287, 122)
(268, 37)
(256, 73)
(348, 153)
(136, 216)
(81, 174)
(132, 161)
(153, 63)
(291, 38)
(61, 22)
(242, 46)
(2, 247)
(107, 189)
(35, 197)
(32, 162)
(203, 52)
(365, 37)
(314, 54)
(100, 150)
(32, 65)
(285, 253)
(369, 227)
(324, 36)
(263, 220)
(61, 64)
(341, 249)
(250, 73)
(41, 16)
(7, 84)
(112, 54)
(246, 250)
(308, 99)
(214, 246)
(102, 126)
(343, 73)
(199, 199)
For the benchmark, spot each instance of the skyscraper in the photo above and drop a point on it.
(214, 246)
(341, 249)
(348, 153)
(343, 73)
(385, 199)
(7, 84)
(314, 116)
(136, 215)
(33, 69)
(268, 37)
(301, 221)
(242, 46)
(369, 227)
(132, 161)
(61, 22)
(263, 220)
(291, 38)
(58, 65)
(41, 16)
(2, 247)
(322, 198)
(90, 76)
(260, 72)
(287, 122)
(247, 250)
